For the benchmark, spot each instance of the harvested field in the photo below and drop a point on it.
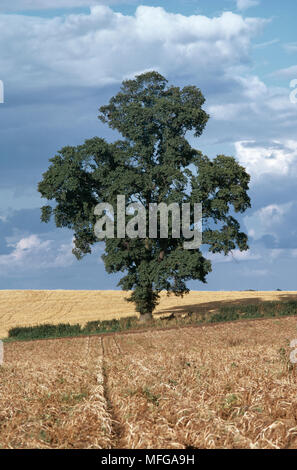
(220, 386)
(29, 308)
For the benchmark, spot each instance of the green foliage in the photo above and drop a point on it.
(109, 326)
(44, 331)
(264, 309)
(225, 314)
(65, 330)
(153, 163)
(251, 311)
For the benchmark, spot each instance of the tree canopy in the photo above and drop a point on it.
(152, 163)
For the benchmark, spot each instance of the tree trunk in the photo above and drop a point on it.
(145, 317)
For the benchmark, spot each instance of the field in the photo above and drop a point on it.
(27, 307)
(216, 386)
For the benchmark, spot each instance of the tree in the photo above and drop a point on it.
(153, 163)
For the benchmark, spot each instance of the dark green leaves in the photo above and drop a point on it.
(153, 163)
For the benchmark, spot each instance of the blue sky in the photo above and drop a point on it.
(60, 60)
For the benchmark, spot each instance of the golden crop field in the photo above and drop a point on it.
(216, 386)
(52, 395)
(32, 307)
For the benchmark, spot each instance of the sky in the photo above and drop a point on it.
(60, 60)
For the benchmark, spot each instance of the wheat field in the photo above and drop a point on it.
(32, 307)
(222, 386)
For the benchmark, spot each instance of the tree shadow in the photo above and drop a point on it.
(215, 305)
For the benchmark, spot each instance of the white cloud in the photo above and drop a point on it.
(277, 158)
(234, 256)
(252, 99)
(253, 87)
(64, 256)
(289, 72)
(273, 214)
(33, 253)
(259, 258)
(251, 91)
(104, 47)
(245, 4)
(269, 220)
(224, 112)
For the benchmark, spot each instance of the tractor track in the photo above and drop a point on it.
(118, 431)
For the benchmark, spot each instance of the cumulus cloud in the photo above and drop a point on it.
(275, 158)
(104, 47)
(245, 4)
(252, 103)
(269, 220)
(33, 252)
(247, 96)
(273, 227)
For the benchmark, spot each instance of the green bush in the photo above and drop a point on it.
(128, 322)
(250, 311)
(270, 309)
(65, 329)
(265, 309)
(91, 327)
(288, 308)
(44, 331)
(225, 313)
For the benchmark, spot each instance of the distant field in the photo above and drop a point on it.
(32, 307)
(217, 386)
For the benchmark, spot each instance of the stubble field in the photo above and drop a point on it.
(32, 307)
(217, 386)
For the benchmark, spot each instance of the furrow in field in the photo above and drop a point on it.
(52, 395)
